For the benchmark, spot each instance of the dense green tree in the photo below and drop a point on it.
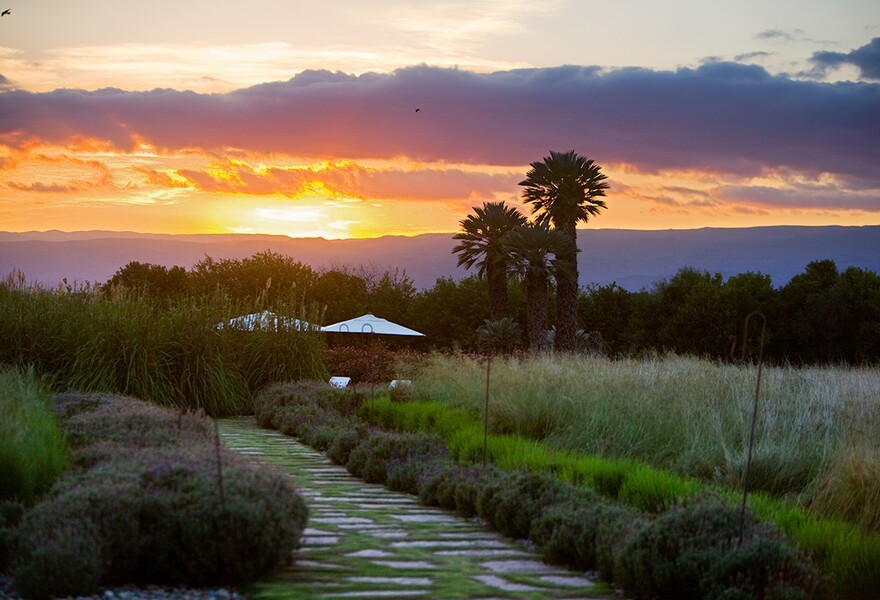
(742, 295)
(391, 296)
(692, 315)
(268, 278)
(563, 190)
(609, 309)
(813, 313)
(450, 313)
(339, 295)
(830, 316)
(481, 244)
(531, 248)
(156, 281)
(859, 291)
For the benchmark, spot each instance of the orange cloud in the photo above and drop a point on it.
(343, 179)
(42, 173)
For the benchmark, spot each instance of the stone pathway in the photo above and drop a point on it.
(364, 541)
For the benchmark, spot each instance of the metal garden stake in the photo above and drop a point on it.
(486, 411)
(742, 511)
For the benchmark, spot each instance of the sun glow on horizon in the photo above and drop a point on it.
(90, 184)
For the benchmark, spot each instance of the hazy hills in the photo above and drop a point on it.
(634, 259)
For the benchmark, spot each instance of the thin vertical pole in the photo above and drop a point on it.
(217, 445)
(742, 510)
(486, 412)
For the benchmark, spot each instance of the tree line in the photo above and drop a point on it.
(822, 315)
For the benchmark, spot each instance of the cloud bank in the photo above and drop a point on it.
(866, 59)
(723, 117)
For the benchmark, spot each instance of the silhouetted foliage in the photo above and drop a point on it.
(156, 281)
(822, 315)
(564, 189)
(451, 312)
(532, 248)
(481, 244)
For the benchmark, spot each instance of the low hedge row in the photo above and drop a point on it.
(848, 556)
(692, 550)
(152, 498)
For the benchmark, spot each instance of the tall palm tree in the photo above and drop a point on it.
(530, 247)
(564, 189)
(480, 244)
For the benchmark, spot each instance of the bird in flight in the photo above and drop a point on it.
(418, 109)
(8, 11)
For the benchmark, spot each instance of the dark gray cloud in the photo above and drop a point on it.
(866, 59)
(778, 34)
(804, 196)
(752, 56)
(724, 117)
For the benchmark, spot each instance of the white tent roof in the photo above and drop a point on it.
(370, 324)
(266, 321)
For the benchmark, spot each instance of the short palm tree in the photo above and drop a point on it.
(531, 248)
(480, 244)
(564, 189)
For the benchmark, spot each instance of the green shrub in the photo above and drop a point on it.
(342, 445)
(615, 524)
(557, 531)
(11, 512)
(58, 561)
(693, 551)
(364, 363)
(523, 499)
(33, 450)
(129, 422)
(369, 460)
(411, 474)
(469, 482)
(436, 485)
(155, 506)
(489, 496)
(446, 485)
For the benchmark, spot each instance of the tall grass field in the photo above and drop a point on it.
(170, 353)
(817, 439)
(33, 450)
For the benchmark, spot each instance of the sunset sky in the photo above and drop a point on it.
(295, 118)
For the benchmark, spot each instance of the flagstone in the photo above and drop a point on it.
(425, 518)
(405, 564)
(390, 534)
(370, 553)
(482, 553)
(341, 520)
(505, 585)
(392, 580)
(321, 540)
(517, 566)
(314, 564)
(481, 544)
(310, 532)
(567, 580)
(378, 594)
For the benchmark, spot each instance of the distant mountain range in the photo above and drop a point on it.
(633, 259)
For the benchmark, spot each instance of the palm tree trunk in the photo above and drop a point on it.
(536, 299)
(566, 295)
(496, 276)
